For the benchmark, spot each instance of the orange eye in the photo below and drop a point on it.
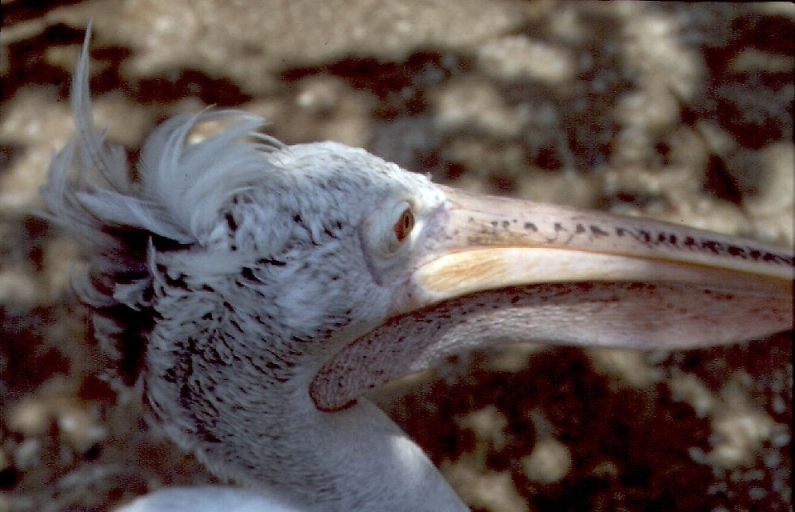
(404, 225)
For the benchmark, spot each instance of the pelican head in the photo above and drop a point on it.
(254, 291)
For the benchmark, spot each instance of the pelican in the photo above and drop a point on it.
(253, 292)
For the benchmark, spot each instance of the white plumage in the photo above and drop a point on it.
(253, 290)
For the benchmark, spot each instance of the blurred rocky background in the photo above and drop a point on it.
(671, 110)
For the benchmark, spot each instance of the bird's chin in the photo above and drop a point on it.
(637, 314)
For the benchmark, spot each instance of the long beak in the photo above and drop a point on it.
(492, 270)
(488, 242)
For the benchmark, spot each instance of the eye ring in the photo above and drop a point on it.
(404, 225)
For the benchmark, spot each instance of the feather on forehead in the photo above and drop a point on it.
(182, 187)
(132, 228)
(236, 188)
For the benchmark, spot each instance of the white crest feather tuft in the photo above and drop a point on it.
(175, 204)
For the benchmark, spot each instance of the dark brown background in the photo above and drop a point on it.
(681, 112)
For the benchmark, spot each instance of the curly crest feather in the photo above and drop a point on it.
(127, 226)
